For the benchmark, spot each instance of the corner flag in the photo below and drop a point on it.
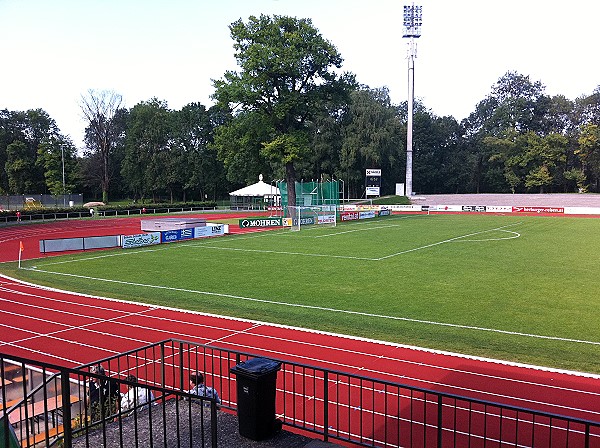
(21, 249)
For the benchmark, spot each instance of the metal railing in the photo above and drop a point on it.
(48, 405)
(366, 411)
(340, 406)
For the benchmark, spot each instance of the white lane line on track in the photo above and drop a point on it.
(36, 287)
(327, 309)
(312, 345)
(320, 360)
(86, 327)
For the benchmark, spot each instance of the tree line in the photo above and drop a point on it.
(289, 113)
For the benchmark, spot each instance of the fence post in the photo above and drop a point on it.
(440, 431)
(162, 364)
(65, 387)
(181, 383)
(213, 424)
(325, 405)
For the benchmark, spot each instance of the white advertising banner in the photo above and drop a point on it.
(209, 230)
(143, 239)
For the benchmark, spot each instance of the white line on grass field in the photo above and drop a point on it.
(357, 230)
(282, 252)
(320, 308)
(212, 245)
(451, 240)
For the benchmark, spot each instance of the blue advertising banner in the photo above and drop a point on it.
(168, 236)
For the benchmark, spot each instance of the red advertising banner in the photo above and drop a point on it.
(538, 210)
(349, 216)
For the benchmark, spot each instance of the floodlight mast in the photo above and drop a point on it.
(413, 19)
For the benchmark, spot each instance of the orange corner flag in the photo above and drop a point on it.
(21, 247)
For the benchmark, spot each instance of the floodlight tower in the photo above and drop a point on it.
(413, 19)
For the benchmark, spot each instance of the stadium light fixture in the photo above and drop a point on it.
(413, 19)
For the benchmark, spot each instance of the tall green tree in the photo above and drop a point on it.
(288, 77)
(58, 156)
(371, 137)
(239, 146)
(193, 132)
(588, 152)
(21, 134)
(19, 165)
(147, 162)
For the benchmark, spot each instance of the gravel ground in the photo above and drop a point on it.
(533, 200)
(227, 437)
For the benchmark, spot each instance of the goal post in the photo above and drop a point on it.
(302, 216)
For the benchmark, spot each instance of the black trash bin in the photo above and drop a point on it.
(256, 387)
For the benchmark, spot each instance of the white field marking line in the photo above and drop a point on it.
(424, 381)
(120, 254)
(394, 345)
(514, 236)
(149, 249)
(357, 230)
(451, 240)
(280, 252)
(205, 246)
(257, 325)
(320, 308)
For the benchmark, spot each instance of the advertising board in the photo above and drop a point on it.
(473, 208)
(260, 222)
(367, 215)
(143, 239)
(349, 216)
(209, 230)
(326, 219)
(538, 210)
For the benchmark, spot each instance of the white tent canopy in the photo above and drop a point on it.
(258, 189)
(252, 194)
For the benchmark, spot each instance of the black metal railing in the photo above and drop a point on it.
(368, 411)
(57, 406)
(340, 406)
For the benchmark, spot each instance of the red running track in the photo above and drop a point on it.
(71, 329)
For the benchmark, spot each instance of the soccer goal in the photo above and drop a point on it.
(302, 216)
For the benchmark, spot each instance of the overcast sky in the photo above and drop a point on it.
(53, 51)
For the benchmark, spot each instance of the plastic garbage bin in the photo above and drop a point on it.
(256, 388)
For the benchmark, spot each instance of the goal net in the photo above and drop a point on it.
(302, 216)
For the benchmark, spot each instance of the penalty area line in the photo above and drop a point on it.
(321, 308)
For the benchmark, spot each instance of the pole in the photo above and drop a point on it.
(409, 126)
(412, 24)
(62, 152)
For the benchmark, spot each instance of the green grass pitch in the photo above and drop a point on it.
(518, 288)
